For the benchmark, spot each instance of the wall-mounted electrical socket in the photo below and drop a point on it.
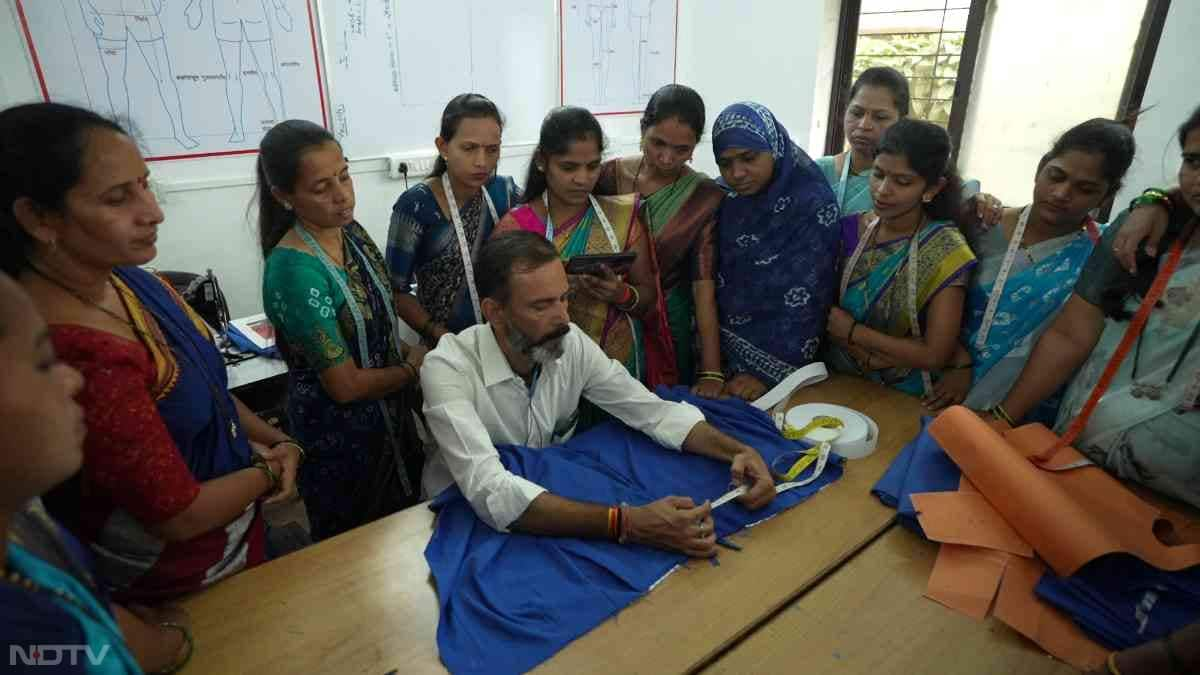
(413, 167)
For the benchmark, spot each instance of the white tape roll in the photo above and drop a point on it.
(855, 440)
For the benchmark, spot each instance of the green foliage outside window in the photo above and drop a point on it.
(929, 60)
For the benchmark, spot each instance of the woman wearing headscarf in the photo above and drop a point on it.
(778, 239)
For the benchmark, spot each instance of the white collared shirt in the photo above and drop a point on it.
(474, 401)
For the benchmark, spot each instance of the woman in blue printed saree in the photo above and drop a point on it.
(424, 253)
(327, 291)
(1046, 243)
(777, 236)
(904, 266)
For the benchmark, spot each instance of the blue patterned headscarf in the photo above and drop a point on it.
(778, 252)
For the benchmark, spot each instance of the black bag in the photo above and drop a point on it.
(203, 294)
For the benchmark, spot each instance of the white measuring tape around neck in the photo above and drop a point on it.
(841, 195)
(609, 233)
(360, 327)
(608, 228)
(465, 250)
(912, 273)
(1010, 255)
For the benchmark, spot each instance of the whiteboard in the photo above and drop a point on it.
(616, 53)
(188, 78)
(392, 66)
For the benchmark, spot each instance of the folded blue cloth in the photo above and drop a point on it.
(922, 466)
(1122, 602)
(510, 601)
(247, 345)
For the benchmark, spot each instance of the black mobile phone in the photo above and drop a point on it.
(590, 264)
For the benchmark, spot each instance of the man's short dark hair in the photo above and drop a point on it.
(504, 254)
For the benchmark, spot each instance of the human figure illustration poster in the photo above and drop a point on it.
(188, 78)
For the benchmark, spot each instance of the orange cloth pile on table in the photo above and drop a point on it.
(1011, 518)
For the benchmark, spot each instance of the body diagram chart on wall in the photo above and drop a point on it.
(616, 53)
(241, 24)
(394, 64)
(187, 77)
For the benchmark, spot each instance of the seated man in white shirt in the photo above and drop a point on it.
(519, 378)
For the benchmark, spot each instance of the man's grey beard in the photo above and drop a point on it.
(545, 352)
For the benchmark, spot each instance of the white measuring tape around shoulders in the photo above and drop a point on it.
(1014, 243)
(609, 233)
(460, 232)
(841, 195)
(608, 228)
(360, 326)
(911, 273)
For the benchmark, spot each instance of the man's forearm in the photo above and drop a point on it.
(704, 439)
(549, 514)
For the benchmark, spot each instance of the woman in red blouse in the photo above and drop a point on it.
(175, 467)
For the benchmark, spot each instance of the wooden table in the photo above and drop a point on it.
(869, 617)
(362, 602)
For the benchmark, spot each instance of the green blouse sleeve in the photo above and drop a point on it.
(302, 302)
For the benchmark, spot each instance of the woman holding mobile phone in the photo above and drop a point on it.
(559, 204)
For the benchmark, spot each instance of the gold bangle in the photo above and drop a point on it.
(1001, 414)
(262, 463)
(1112, 664)
(288, 441)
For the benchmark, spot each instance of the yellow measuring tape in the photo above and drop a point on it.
(807, 457)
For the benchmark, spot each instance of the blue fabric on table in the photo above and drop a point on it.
(510, 601)
(921, 466)
(1122, 602)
